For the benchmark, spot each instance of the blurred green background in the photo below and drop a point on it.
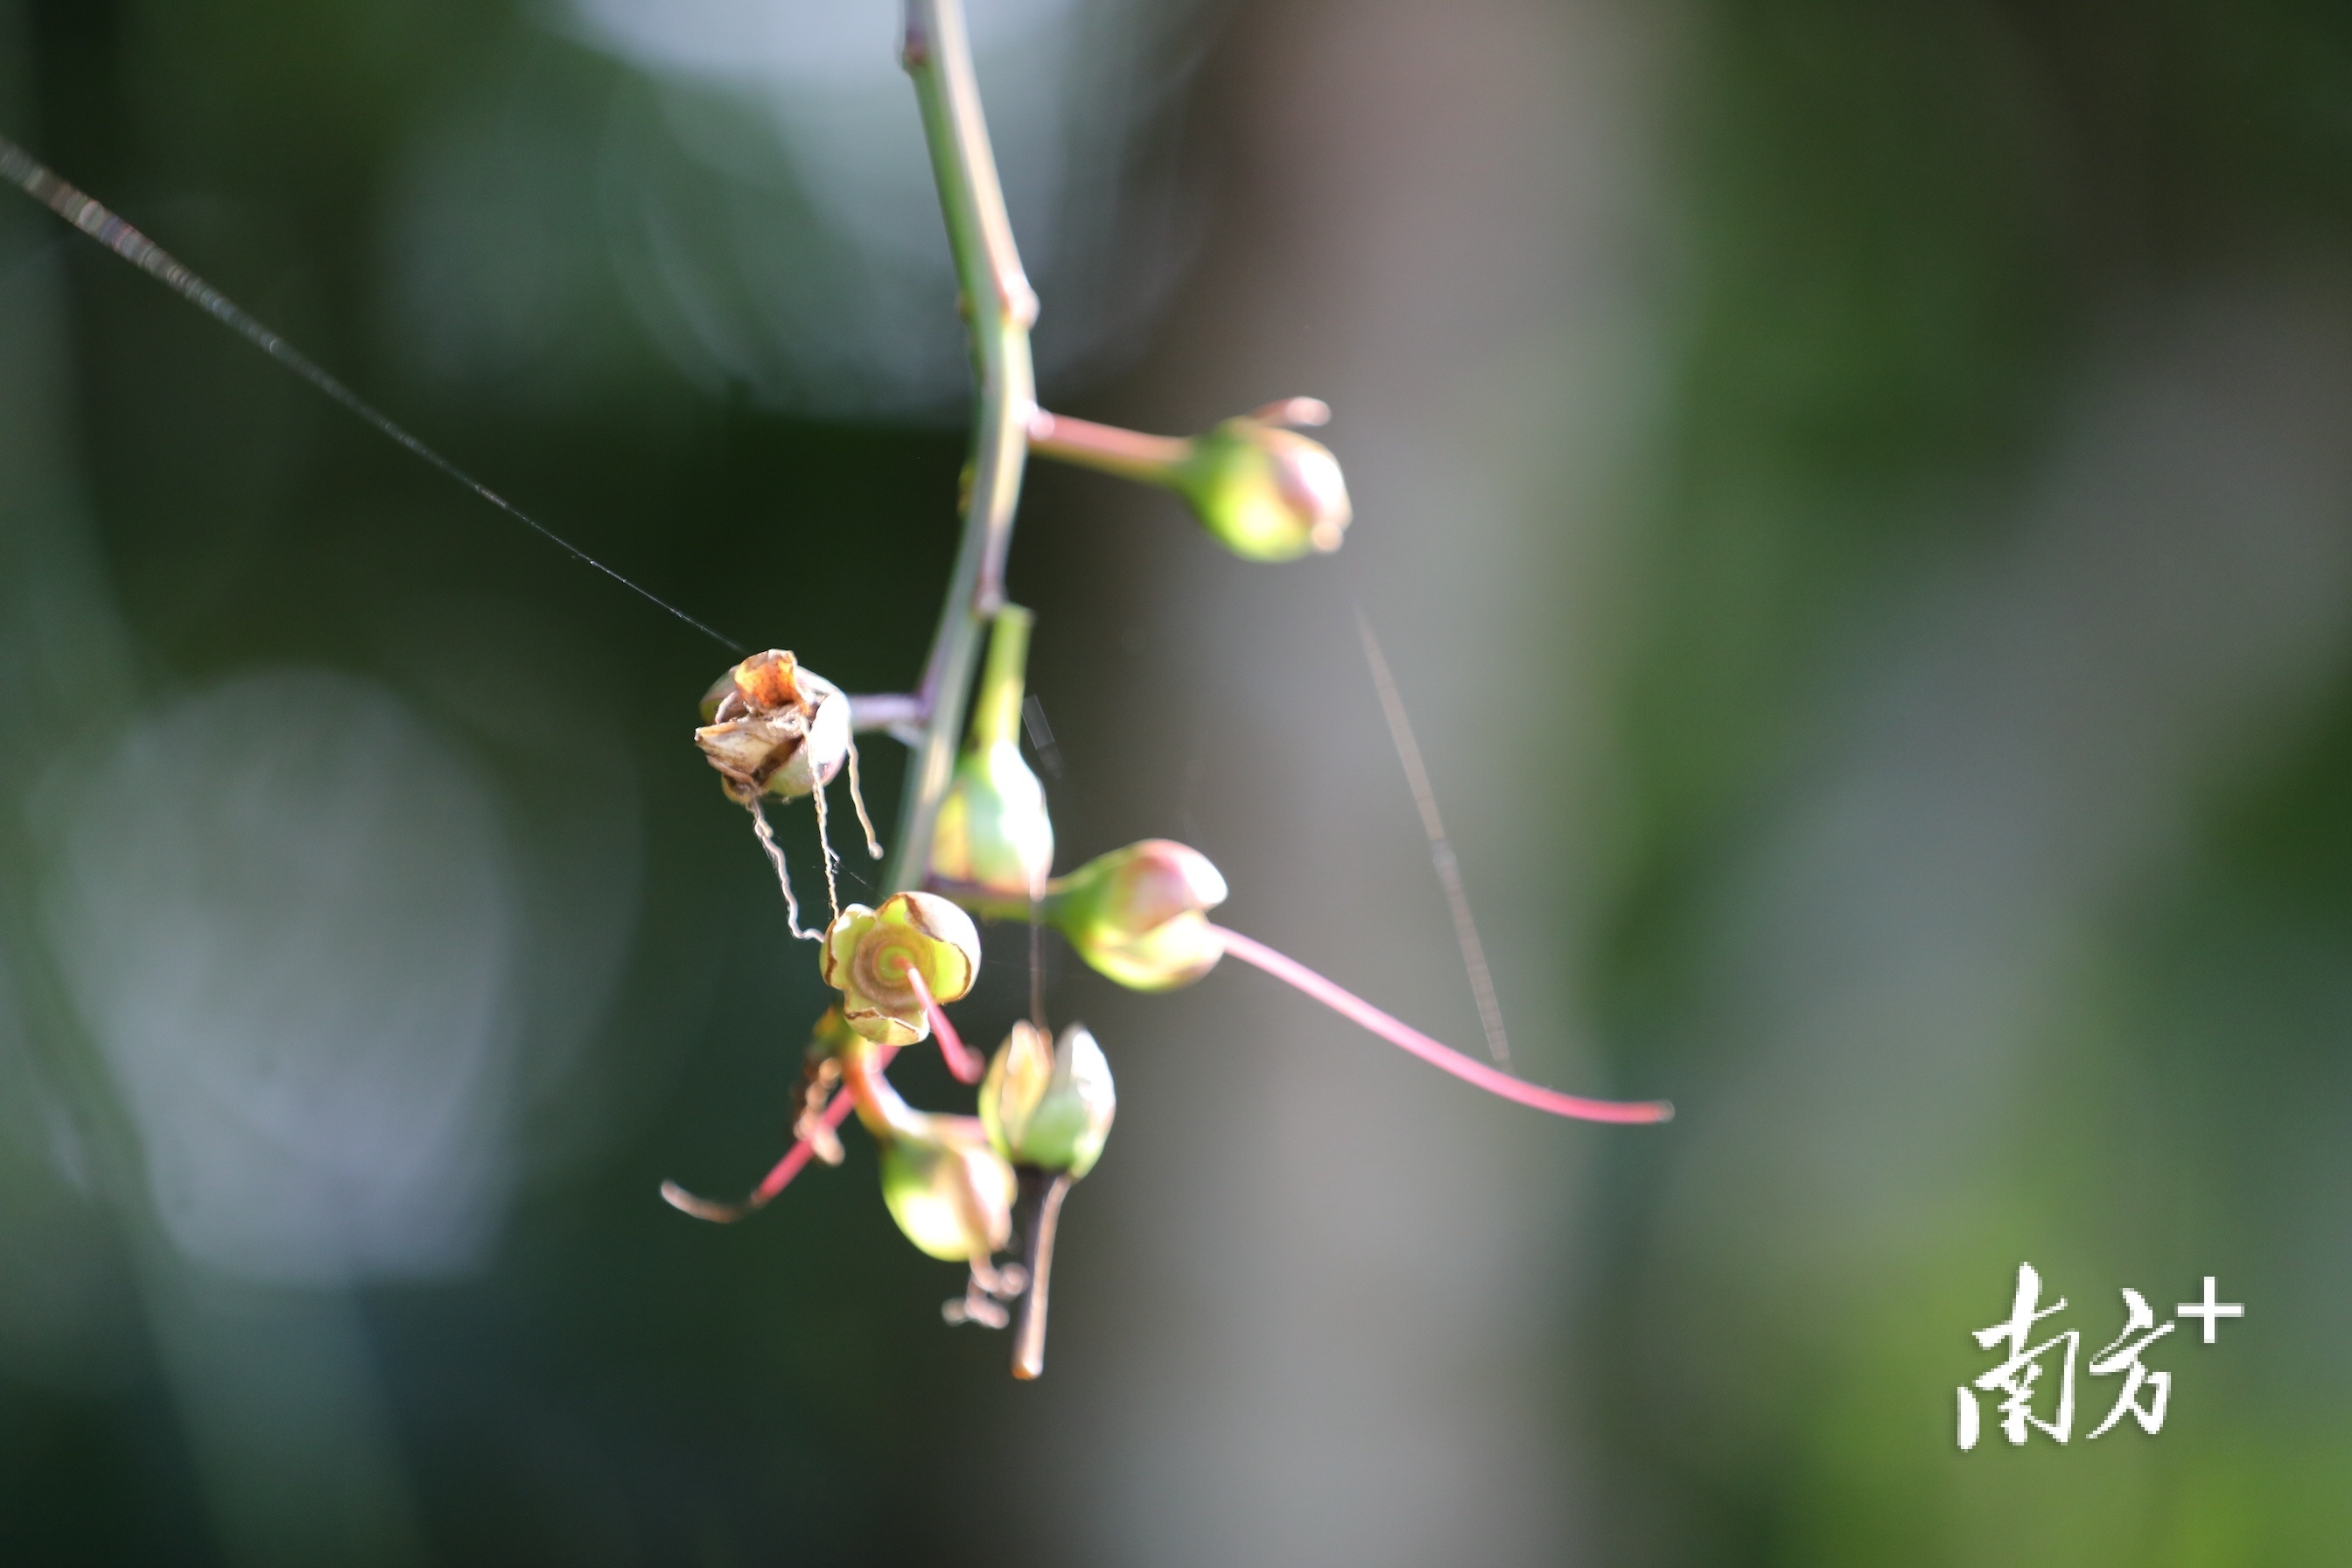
(1859, 502)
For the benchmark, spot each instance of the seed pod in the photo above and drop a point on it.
(770, 725)
(1265, 493)
(869, 954)
(949, 1191)
(1048, 1107)
(993, 830)
(1140, 914)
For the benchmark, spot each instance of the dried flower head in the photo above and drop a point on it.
(870, 956)
(771, 726)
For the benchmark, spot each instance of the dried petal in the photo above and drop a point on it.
(775, 727)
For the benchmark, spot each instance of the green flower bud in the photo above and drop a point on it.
(1267, 493)
(993, 829)
(1140, 914)
(949, 1191)
(869, 954)
(1049, 1108)
(770, 725)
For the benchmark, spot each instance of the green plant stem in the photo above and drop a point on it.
(1129, 454)
(996, 712)
(987, 904)
(998, 307)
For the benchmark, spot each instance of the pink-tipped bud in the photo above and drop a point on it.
(949, 1191)
(771, 726)
(870, 955)
(1267, 493)
(1140, 914)
(1049, 1106)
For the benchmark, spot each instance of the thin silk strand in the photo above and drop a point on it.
(1441, 848)
(20, 169)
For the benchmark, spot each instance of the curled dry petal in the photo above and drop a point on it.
(772, 726)
(869, 953)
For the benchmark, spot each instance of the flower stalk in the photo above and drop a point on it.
(964, 1063)
(998, 308)
(1436, 1053)
(780, 1175)
(1129, 454)
(1036, 1217)
(1062, 909)
(1261, 490)
(975, 837)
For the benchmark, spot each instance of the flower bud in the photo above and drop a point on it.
(1267, 493)
(770, 725)
(1140, 914)
(1048, 1108)
(992, 831)
(870, 955)
(949, 1191)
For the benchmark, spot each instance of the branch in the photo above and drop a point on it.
(1129, 454)
(998, 306)
(895, 712)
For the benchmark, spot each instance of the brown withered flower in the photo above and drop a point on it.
(773, 727)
